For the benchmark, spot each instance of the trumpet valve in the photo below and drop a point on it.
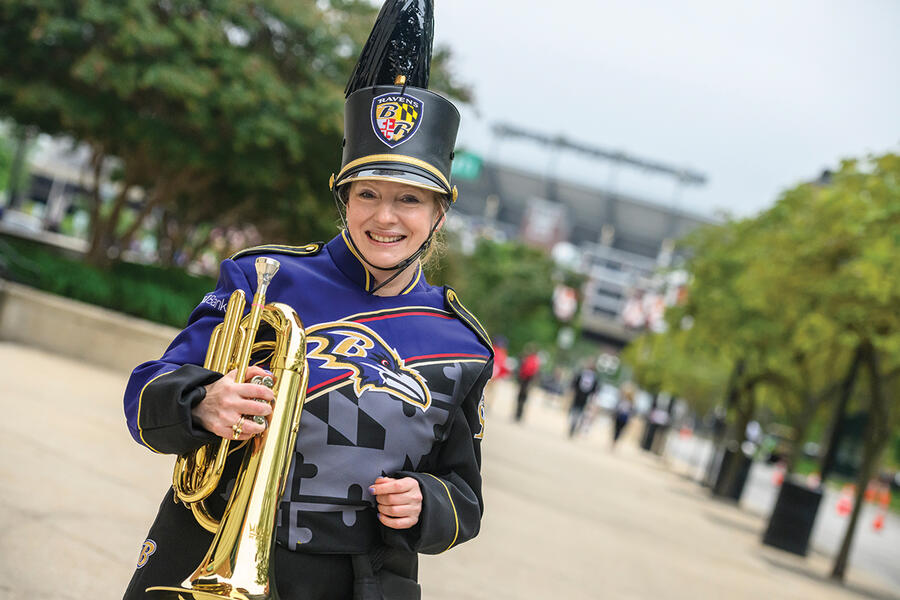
(269, 383)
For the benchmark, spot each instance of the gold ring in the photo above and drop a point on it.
(237, 428)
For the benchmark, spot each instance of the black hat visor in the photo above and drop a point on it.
(392, 167)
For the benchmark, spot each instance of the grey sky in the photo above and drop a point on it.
(757, 95)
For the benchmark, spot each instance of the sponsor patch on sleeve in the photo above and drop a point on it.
(217, 303)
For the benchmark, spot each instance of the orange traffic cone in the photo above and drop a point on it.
(778, 476)
(845, 502)
(878, 523)
(869, 495)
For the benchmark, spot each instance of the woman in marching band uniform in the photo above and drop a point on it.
(387, 459)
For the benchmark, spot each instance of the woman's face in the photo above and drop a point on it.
(389, 221)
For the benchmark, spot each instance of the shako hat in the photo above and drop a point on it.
(395, 128)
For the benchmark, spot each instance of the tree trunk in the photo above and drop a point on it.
(801, 427)
(105, 246)
(837, 420)
(165, 246)
(148, 206)
(876, 437)
(720, 428)
(198, 243)
(732, 471)
(15, 170)
(96, 253)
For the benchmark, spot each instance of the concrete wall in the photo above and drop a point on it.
(75, 329)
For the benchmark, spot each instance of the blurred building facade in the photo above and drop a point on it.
(620, 243)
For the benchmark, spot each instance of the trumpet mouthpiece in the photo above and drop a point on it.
(265, 270)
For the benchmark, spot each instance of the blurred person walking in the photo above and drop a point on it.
(501, 358)
(585, 385)
(624, 408)
(501, 370)
(529, 366)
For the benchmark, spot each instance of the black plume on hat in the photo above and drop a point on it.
(396, 129)
(400, 44)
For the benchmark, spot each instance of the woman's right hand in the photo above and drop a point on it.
(226, 402)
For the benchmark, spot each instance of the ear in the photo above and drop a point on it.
(442, 209)
(440, 222)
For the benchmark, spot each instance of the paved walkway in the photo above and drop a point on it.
(564, 520)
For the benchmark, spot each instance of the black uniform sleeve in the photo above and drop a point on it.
(168, 425)
(161, 393)
(451, 486)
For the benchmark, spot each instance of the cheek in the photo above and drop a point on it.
(421, 225)
(354, 214)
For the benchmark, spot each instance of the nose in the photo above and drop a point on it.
(384, 212)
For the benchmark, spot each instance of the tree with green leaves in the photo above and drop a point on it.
(859, 212)
(669, 362)
(214, 112)
(509, 285)
(801, 300)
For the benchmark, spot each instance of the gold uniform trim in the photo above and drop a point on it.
(454, 193)
(304, 250)
(463, 313)
(138, 419)
(358, 257)
(422, 186)
(398, 158)
(415, 280)
(453, 506)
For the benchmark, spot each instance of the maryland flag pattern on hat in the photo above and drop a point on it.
(395, 117)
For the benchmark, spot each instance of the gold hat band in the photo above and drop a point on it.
(397, 158)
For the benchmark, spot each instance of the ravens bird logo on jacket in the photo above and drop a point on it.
(371, 363)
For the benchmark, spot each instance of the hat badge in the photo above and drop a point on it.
(396, 117)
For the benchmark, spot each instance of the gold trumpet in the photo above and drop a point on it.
(238, 564)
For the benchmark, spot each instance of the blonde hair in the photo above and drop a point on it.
(432, 256)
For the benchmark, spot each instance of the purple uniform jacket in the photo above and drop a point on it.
(396, 388)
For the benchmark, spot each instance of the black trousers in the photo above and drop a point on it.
(524, 384)
(176, 545)
(313, 576)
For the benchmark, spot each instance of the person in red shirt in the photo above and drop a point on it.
(501, 358)
(529, 366)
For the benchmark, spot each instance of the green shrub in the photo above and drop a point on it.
(162, 295)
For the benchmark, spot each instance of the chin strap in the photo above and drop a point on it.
(400, 266)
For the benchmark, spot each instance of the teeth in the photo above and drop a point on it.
(385, 239)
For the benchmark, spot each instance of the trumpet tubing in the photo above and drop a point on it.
(238, 564)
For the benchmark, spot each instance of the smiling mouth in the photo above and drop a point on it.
(384, 239)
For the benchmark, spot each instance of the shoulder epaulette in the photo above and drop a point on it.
(456, 307)
(305, 250)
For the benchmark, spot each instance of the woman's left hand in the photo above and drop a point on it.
(399, 501)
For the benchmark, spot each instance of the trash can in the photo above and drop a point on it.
(793, 517)
(649, 436)
(737, 486)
